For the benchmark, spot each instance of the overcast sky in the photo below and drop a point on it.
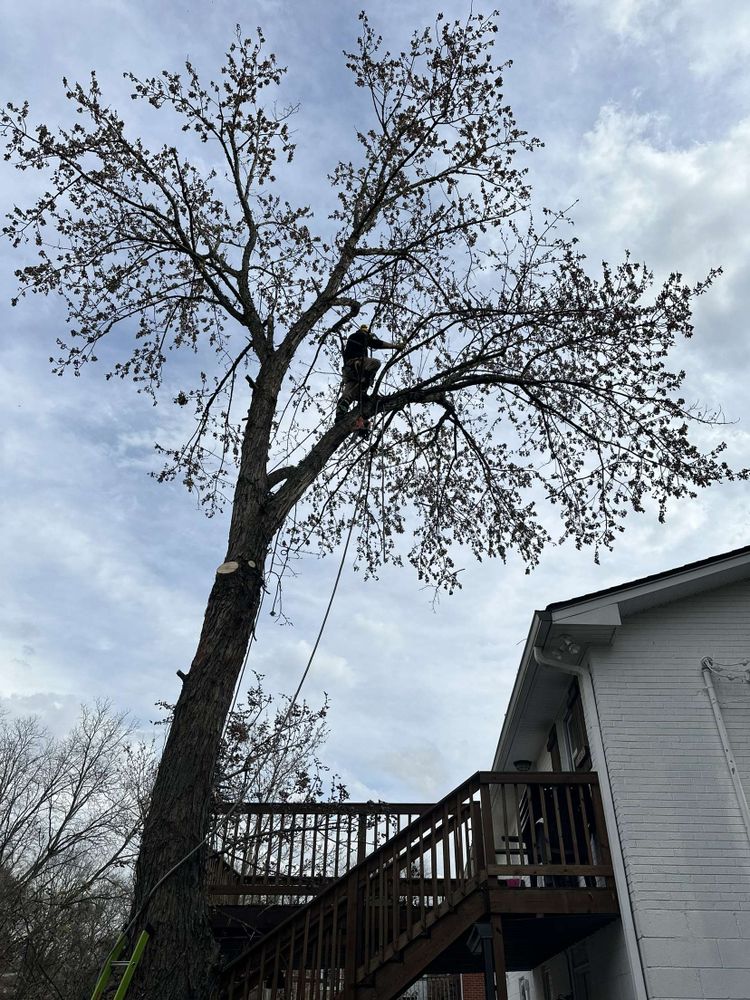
(643, 108)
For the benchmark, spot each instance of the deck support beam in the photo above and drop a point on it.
(498, 956)
(490, 934)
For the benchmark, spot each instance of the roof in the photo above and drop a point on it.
(652, 578)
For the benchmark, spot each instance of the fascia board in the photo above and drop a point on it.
(527, 669)
(605, 614)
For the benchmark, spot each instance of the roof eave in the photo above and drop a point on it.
(540, 624)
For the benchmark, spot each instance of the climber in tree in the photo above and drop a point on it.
(359, 368)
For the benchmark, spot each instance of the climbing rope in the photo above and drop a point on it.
(178, 864)
(305, 672)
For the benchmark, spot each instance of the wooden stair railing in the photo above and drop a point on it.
(495, 830)
(370, 915)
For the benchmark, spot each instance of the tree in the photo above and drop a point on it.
(522, 379)
(270, 752)
(71, 812)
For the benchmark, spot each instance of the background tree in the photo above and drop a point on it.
(270, 752)
(71, 813)
(523, 378)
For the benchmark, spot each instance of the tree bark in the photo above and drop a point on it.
(179, 961)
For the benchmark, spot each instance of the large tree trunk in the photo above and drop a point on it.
(178, 818)
(178, 962)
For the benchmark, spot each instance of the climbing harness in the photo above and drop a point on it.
(127, 968)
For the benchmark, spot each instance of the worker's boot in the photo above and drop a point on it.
(362, 428)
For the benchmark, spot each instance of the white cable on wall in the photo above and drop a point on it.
(707, 668)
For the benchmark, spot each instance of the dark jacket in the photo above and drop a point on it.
(358, 344)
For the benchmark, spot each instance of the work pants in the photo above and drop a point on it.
(356, 378)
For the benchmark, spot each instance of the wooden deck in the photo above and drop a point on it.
(316, 902)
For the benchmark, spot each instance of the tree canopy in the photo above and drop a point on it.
(539, 380)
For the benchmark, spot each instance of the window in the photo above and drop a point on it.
(553, 749)
(547, 984)
(575, 731)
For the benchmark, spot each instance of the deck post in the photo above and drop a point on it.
(498, 956)
(350, 940)
(362, 837)
(489, 935)
(478, 853)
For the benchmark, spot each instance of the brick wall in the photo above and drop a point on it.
(686, 852)
(472, 986)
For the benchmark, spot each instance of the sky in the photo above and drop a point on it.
(643, 109)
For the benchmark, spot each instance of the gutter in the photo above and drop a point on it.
(618, 862)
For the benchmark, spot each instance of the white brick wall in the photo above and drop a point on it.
(686, 851)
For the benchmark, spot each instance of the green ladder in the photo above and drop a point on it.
(127, 968)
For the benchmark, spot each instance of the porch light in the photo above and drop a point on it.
(569, 645)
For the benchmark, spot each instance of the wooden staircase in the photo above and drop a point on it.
(498, 844)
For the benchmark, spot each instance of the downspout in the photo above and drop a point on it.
(706, 665)
(618, 862)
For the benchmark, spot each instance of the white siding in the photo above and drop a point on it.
(610, 968)
(513, 982)
(686, 851)
(557, 967)
(610, 977)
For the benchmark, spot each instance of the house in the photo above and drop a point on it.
(605, 857)
(647, 684)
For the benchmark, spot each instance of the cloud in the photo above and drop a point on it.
(91, 544)
(57, 712)
(106, 573)
(714, 39)
(627, 18)
(678, 207)
(418, 768)
(637, 183)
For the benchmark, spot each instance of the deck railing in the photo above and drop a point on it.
(289, 851)
(547, 829)
(496, 830)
